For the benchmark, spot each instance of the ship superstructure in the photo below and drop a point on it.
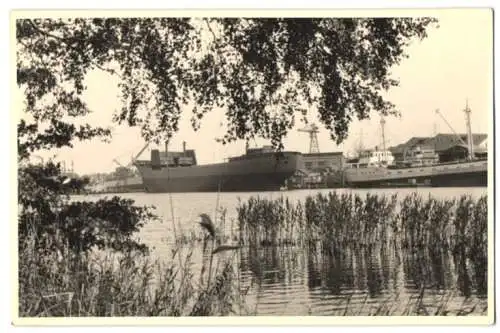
(460, 165)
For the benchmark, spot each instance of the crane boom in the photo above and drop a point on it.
(133, 158)
(451, 128)
(139, 153)
(116, 161)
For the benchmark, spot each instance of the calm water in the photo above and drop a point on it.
(298, 281)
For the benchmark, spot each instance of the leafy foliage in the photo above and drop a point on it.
(261, 71)
(47, 212)
(59, 134)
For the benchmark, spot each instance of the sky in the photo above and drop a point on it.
(452, 65)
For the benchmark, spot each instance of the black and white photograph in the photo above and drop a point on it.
(254, 164)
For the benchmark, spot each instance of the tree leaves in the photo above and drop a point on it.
(58, 134)
(261, 71)
(47, 213)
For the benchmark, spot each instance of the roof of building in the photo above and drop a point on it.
(445, 141)
(333, 153)
(465, 147)
(440, 142)
(399, 149)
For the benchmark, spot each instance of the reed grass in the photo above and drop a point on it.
(414, 222)
(337, 222)
(267, 222)
(198, 236)
(62, 283)
(338, 219)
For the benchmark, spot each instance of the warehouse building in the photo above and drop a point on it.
(442, 147)
(320, 162)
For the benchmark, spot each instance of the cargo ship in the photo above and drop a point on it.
(258, 169)
(463, 164)
(454, 174)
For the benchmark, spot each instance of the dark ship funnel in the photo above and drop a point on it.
(155, 159)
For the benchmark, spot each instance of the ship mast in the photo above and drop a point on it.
(469, 130)
(359, 148)
(435, 135)
(382, 124)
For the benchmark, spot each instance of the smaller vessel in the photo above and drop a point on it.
(457, 174)
(127, 185)
(421, 167)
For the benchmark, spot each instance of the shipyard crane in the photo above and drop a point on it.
(132, 161)
(118, 163)
(313, 131)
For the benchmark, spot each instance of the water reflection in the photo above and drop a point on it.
(327, 281)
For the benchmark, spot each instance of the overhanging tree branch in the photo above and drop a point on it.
(259, 54)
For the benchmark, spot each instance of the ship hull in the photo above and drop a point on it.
(263, 173)
(128, 185)
(472, 174)
(471, 179)
(127, 188)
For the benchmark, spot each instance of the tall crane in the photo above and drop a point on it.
(382, 126)
(132, 161)
(313, 131)
(118, 163)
